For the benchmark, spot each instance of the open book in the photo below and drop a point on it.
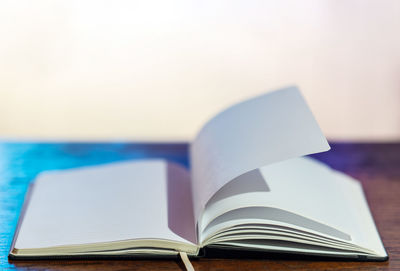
(250, 188)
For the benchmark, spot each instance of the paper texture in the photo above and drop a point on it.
(266, 129)
(309, 189)
(120, 201)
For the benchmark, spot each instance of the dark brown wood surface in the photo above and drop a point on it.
(377, 166)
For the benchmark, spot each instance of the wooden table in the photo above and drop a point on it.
(377, 166)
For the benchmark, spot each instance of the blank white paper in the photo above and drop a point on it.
(114, 202)
(257, 132)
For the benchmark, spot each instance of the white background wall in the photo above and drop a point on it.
(157, 70)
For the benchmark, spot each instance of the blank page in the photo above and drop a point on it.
(308, 195)
(260, 131)
(120, 201)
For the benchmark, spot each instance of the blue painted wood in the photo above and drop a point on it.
(376, 165)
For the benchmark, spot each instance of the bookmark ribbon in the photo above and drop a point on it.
(186, 261)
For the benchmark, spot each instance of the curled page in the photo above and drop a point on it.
(267, 129)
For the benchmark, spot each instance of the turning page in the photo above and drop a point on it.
(257, 132)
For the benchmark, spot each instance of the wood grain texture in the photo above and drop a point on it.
(377, 166)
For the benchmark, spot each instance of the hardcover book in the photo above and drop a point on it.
(251, 187)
